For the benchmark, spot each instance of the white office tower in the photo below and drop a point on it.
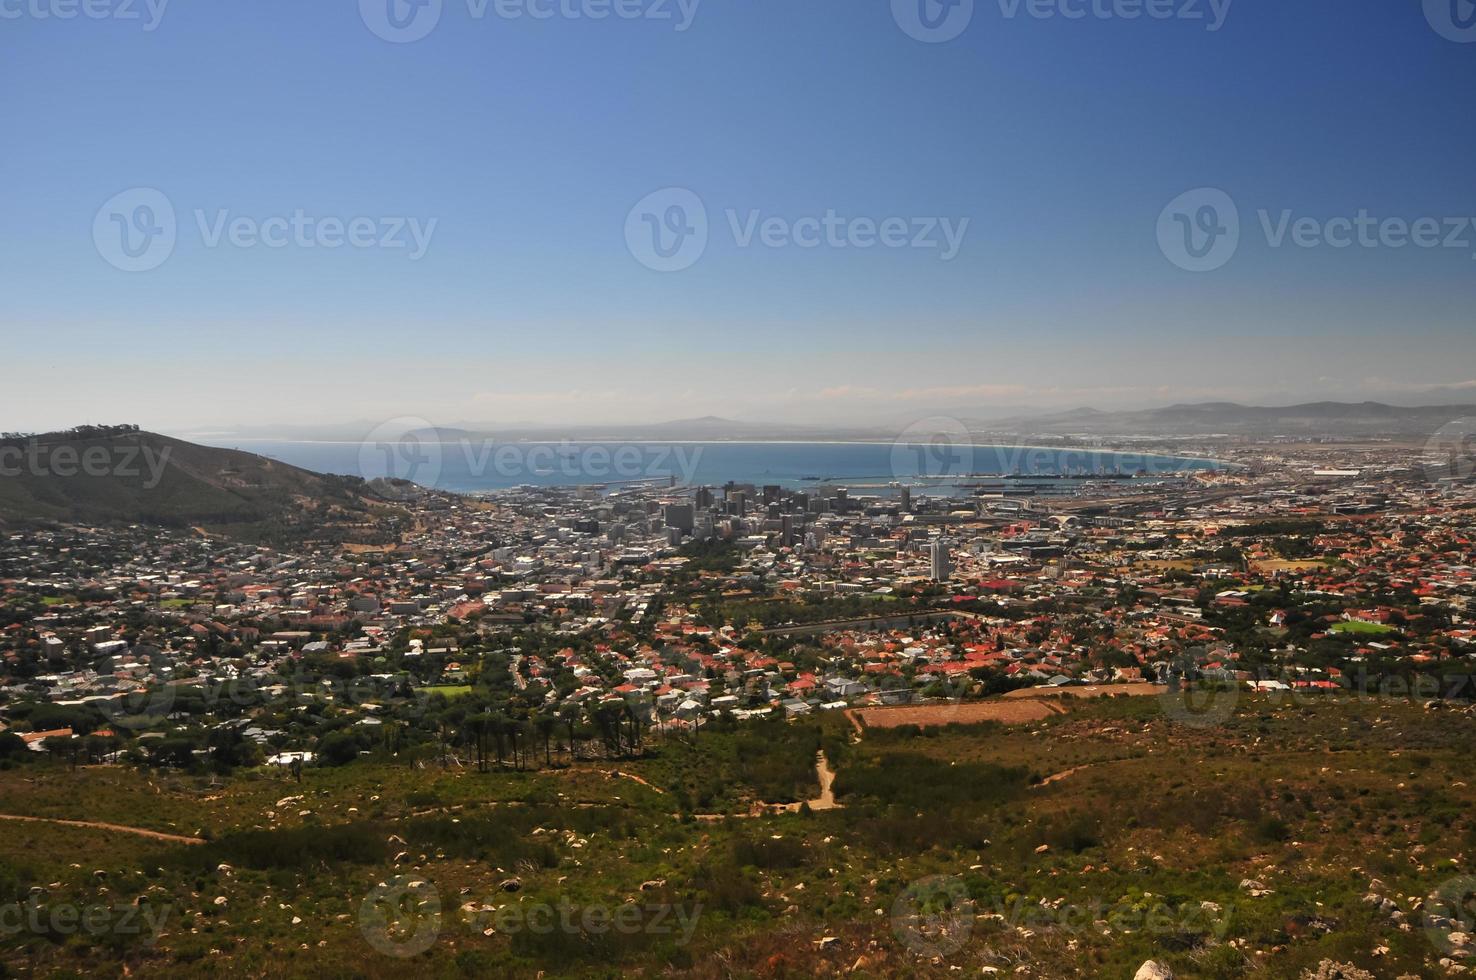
(942, 567)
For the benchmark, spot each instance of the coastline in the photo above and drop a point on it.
(1099, 450)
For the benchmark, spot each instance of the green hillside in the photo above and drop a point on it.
(118, 474)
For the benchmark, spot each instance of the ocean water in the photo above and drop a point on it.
(934, 466)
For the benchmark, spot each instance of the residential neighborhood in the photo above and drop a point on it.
(1301, 569)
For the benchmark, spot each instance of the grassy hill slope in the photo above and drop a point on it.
(118, 475)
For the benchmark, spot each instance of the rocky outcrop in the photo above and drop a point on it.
(1153, 970)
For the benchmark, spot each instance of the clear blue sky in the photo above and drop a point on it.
(529, 141)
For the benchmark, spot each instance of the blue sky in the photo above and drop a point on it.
(528, 141)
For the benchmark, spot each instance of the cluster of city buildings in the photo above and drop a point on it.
(1290, 568)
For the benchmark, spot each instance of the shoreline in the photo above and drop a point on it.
(1222, 463)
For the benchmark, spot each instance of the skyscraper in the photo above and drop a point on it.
(678, 516)
(942, 565)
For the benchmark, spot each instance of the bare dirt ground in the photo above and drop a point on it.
(1015, 708)
(1012, 712)
(1088, 691)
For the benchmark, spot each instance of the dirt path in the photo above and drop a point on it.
(1060, 775)
(826, 775)
(825, 801)
(115, 828)
(619, 773)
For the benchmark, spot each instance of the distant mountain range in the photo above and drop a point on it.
(118, 474)
(1230, 418)
(1205, 418)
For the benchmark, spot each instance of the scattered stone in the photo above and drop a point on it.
(1328, 970)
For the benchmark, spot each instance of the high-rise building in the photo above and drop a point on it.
(941, 559)
(678, 516)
